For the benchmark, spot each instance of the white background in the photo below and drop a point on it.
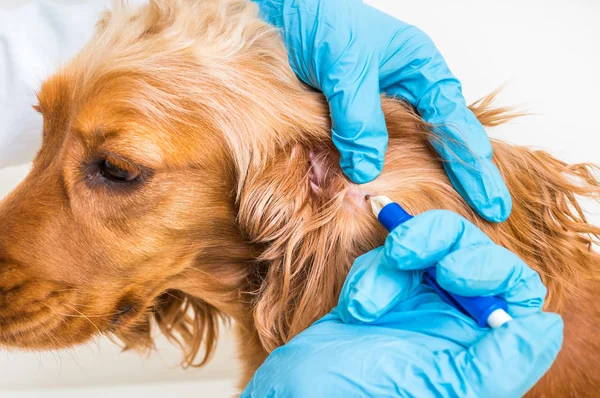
(548, 53)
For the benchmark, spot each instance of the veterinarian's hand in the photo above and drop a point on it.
(352, 52)
(391, 335)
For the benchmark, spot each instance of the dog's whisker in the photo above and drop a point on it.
(212, 276)
(73, 354)
(84, 316)
(70, 289)
(175, 297)
(79, 313)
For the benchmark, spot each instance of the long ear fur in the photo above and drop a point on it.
(311, 238)
(302, 236)
(188, 322)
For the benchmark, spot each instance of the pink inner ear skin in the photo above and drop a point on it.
(316, 174)
(325, 176)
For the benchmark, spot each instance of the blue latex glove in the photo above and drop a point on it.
(391, 335)
(352, 52)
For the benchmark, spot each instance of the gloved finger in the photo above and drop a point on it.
(371, 288)
(492, 270)
(479, 182)
(415, 70)
(468, 262)
(507, 362)
(424, 240)
(382, 278)
(358, 125)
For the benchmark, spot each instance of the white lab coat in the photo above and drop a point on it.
(36, 36)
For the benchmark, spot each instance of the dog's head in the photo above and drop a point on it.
(131, 204)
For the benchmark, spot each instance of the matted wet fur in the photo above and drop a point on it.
(239, 210)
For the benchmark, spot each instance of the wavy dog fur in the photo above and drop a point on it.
(245, 213)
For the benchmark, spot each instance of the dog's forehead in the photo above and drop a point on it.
(116, 113)
(93, 120)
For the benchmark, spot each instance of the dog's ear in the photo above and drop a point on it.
(188, 322)
(308, 243)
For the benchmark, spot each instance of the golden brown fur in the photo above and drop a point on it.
(241, 211)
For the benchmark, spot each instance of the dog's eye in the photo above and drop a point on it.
(112, 171)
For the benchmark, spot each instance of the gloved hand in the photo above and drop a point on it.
(352, 52)
(391, 335)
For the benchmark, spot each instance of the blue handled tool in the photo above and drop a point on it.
(484, 310)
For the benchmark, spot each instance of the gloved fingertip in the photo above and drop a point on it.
(360, 168)
(483, 187)
(360, 310)
(498, 209)
(551, 323)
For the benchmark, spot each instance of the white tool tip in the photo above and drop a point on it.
(378, 203)
(498, 318)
